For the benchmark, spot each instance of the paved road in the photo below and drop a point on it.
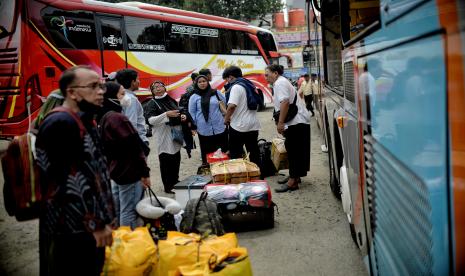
(311, 235)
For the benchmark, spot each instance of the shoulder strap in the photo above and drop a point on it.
(189, 217)
(159, 107)
(295, 98)
(217, 96)
(82, 128)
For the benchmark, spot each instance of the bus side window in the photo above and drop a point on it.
(111, 34)
(357, 16)
(226, 41)
(332, 44)
(70, 29)
(145, 34)
(209, 45)
(180, 42)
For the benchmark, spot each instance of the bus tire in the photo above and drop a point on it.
(353, 233)
(333, 181)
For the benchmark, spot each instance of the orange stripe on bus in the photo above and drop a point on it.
(449, 19)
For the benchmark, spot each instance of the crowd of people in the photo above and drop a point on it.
(94, 163)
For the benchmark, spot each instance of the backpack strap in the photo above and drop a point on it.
(82, 128)
(189, 215)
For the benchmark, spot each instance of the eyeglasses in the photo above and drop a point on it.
(92, 86)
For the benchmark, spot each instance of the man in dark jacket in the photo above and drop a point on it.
(77, 214)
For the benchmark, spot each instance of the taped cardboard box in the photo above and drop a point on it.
(234, 171)
(279, 154)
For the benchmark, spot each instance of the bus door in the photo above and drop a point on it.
(112, 43)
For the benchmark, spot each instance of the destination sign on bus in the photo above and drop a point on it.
(191, 30)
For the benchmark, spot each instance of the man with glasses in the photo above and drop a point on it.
(76, 217)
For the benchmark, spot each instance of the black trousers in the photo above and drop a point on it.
(238, 139)
(70, 254)
(169, 169)
(308, 102)
(209, 144)
(297, 145)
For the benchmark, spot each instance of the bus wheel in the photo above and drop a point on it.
(333, 182)
(353, 233)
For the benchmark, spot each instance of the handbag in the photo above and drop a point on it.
(223, 107)
(177, 135)
(159, 227)
(291, 112)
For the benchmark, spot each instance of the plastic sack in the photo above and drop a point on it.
(235, 262)
(181, 249)
(132, 253)
(255, 193)
(216, 156)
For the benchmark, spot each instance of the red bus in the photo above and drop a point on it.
(41, 38)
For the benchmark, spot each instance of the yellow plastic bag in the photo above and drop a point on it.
(187, 249)
(132, 253)
(235, 262)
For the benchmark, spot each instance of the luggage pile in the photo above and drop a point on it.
(207, 210)
(135, 253)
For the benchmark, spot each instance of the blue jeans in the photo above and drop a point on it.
(126, 198)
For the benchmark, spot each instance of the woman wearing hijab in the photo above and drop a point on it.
(163, 114)
(204, 108)
(124, 150)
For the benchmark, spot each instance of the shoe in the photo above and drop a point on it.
(284, 188)
(283, 180)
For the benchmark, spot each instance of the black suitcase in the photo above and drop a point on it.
(243, 218)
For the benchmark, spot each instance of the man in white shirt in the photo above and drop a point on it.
(296, 130)
(242, 120)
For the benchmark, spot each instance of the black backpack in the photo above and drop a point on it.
(265, 163)
(201, 216)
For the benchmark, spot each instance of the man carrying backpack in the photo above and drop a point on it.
(77, 208)
(241, 115)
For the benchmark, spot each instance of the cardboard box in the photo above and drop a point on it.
(234, 171)
(279, 154)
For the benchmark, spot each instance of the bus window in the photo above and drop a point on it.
(7, 21)
(226, 38)
(209, 45)
(70, 29)
(111, 34)
(240, 43)
(267, 41)
(145, 34)
(332, 44)
(183, 38)
(357, 16)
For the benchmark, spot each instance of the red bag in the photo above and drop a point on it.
(21, 189)
(212, 159)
